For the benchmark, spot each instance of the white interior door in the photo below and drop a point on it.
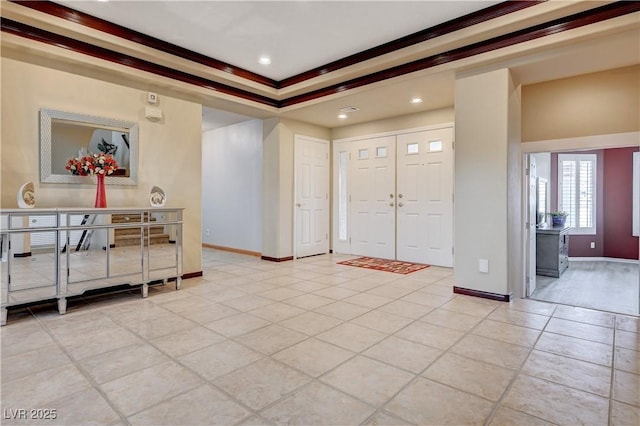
(372, 187)
(425, 197)
(532, 211)
(312, 196)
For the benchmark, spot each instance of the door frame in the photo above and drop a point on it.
(528, 267)
(327, 177)
(340, 145)
(615, 140)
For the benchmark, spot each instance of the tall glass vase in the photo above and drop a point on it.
(101, 194)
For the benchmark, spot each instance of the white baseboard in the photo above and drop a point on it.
(603, 259)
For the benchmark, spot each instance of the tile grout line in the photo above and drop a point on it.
(171, 358)
(265, 356)
(516, 374)
(419, 375)
(613, 369)
(361, 353)
(87, 376)
(204, 380)
(317, 379)
(378, 408)
(371, 309)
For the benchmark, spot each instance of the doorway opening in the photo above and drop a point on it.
(592, 261)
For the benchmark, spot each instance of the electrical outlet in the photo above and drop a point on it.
(593, 244)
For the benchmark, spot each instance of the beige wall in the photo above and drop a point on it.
(278, 182)
(169, 154)
(420, 119)
(592, 104)
(515, 223)
(271, 192)
(482, 181)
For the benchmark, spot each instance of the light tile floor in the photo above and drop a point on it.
(311, 342)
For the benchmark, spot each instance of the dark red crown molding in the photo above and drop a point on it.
(474, 18)
(90, 21)
(591, 16)
(37, 34)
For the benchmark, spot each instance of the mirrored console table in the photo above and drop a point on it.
(49, 254)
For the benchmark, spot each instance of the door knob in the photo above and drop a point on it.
(400, 204)
(390, 195)
(299, 205)
(399, 195)
(390, 204)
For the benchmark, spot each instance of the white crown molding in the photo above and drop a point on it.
(614, 140)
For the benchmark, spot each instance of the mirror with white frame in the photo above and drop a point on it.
(65, 135)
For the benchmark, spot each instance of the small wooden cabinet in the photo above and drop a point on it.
(552, 251)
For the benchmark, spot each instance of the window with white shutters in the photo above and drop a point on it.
(577, 191)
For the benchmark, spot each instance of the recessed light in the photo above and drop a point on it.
(264, 60)
(342, 116)
(416, 100)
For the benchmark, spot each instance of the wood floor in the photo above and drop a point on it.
(604, 285)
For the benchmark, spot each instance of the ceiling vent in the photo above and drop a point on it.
(349, 109)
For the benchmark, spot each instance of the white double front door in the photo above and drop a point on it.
(401, 197)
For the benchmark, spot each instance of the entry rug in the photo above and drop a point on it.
(394, 266)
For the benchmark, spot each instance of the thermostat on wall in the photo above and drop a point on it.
(153, 113)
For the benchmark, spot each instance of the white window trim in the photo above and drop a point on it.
(342, 206)
(581, 157)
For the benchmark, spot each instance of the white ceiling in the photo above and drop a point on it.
(297, 35)
(215, 118)
(301, 35)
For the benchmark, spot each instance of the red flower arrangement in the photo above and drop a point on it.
(92, 164)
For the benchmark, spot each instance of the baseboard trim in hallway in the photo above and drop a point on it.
(192, 275)
(482, 294)
(232, 249)
(276, 259)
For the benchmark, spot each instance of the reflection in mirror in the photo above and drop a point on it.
(162, 253)
(33, 276)
(125, 261)
(65, 135)
(90, 262)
